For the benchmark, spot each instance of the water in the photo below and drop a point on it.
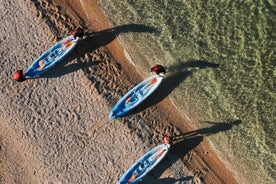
(222, 55)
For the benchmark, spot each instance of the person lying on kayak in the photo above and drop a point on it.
(158, 69)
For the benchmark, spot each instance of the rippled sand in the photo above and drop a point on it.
(55, 129)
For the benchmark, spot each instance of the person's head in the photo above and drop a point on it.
(167, 140)
(19, 76)
(158, 69)
(78, 32)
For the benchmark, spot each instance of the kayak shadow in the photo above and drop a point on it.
(182, 144)
(60, 70)
(181, 71)
(90, 43)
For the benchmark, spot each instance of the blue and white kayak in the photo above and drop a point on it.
(51, 57)
(135, 96)
(144, 165)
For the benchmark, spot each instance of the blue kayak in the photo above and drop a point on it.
(144, 165)
(51, 57)
(135, 96)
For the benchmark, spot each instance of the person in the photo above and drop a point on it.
(158, 69)
(19, 76)
(78, 33)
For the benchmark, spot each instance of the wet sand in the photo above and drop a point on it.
(55, 129)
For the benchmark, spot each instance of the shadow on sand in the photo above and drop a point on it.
(181, 71)
(91, 42)
(182, 144)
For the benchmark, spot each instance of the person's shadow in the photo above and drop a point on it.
(90, 43)
(181, 145)
(180, 72)
(215, 128)
(101, 38)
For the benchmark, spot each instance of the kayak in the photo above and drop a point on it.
(135, 96)
(51, 57)
(144, 165)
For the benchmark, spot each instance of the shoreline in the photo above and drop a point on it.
(191, 157)
(118, 52)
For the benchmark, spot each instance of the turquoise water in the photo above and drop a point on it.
(222, 53)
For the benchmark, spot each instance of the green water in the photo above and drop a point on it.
(223, 55)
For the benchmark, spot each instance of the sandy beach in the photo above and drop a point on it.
(55, 129)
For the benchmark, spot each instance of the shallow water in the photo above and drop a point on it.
(221, 61)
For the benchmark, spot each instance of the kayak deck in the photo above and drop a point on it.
(52, 56)
(135, 96)
(144, 165)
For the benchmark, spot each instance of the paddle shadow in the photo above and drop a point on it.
(181, 145)
(90, 43)
(181, 71)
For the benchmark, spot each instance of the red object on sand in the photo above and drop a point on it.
(19, 76)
